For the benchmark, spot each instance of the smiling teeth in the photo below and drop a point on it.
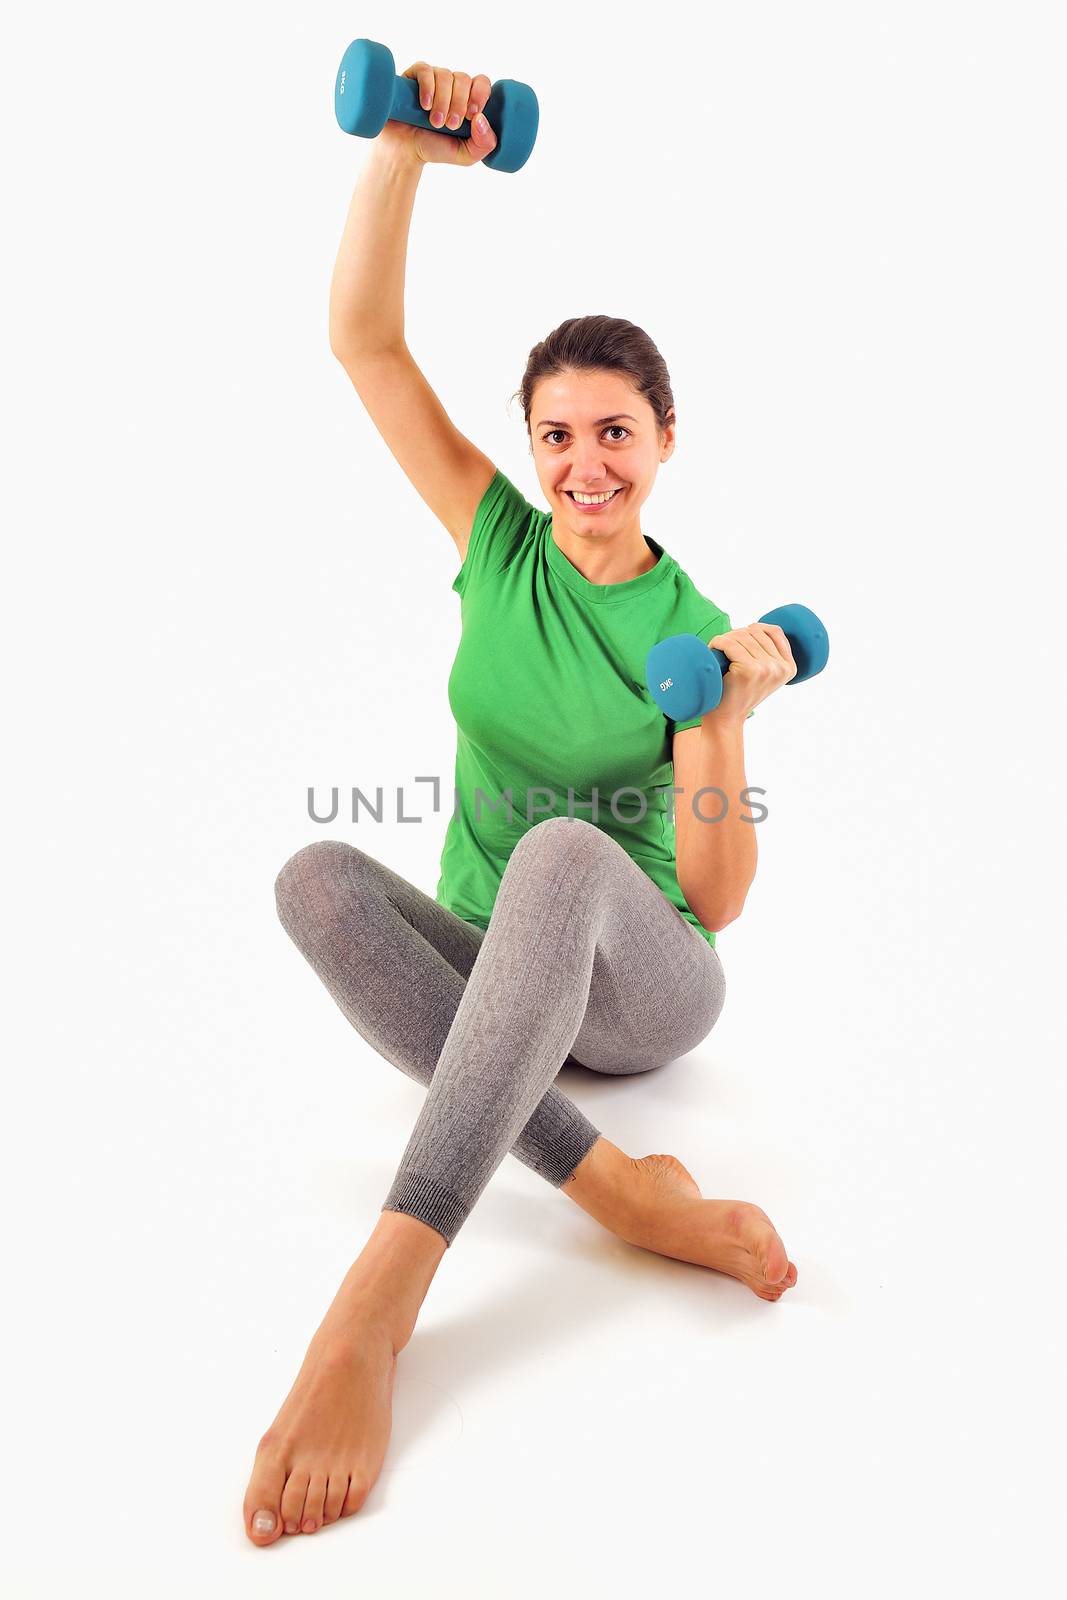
(592, 499)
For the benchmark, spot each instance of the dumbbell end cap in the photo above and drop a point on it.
(513, 113)
(683, 677)
(363, 90)
(807, 638)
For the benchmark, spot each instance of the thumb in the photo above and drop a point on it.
(482, 138)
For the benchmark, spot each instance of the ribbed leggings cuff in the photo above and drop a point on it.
(420, 1197)
(559, 1152)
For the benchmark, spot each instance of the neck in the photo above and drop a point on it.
(606, 558)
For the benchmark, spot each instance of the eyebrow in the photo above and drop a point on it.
(546, 422)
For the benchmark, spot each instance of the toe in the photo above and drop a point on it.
(775, 1262)
(293, 1499)
(335, 1496)
(313, 1502)
(263, 1522)
(775, 1291)
(358, 1490)
(262, 1514)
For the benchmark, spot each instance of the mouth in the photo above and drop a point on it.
(596, 505)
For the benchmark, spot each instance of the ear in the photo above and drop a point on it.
(667, 449)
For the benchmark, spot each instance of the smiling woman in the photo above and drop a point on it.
(604, 426)
(553, 937)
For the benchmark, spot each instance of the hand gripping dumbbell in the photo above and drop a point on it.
(684, 677)
(369, 93)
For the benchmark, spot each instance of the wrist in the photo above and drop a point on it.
(714, 725)
(396, 156)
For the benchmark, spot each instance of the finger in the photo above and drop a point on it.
(481, 89)
(422, 72)
(442, 96)
(461, 93)
(734, 645)
(759, 637)
(775, 640)
(756, 641)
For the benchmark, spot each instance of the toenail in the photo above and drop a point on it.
(309, 1526)
(291, 1527)
(263, 1522)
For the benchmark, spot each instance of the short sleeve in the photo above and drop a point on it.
(501, 524)
(719, 623)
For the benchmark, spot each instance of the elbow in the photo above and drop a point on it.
(340, 349)
(351, 351)
(732, 914)
(720, 921)
(714, 918)
(343, 347)
(335, 327)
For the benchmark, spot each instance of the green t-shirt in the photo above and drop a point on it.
(549, 696)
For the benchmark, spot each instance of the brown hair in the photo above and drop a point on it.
(608, 344)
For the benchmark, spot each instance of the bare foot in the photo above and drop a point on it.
(322, 1453)
(668, 1214)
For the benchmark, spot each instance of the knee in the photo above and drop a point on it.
(572, 836)
(580, 844)
(306, 887)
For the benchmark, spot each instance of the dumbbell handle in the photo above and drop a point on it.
(406, 107)
(684, 676)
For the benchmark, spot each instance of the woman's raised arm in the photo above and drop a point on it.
(367, 302)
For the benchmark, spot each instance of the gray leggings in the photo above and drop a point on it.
(585, 961)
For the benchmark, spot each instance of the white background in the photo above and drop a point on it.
(844, 225)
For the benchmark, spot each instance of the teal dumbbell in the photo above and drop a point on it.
(684, 677)
(369, 93)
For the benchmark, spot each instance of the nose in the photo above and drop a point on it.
(588, 471)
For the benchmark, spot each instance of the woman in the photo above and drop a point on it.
(572, 936)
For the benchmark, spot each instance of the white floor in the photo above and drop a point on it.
(570, 1409)
(221, 590)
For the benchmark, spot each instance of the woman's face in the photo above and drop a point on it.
(591, 432)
